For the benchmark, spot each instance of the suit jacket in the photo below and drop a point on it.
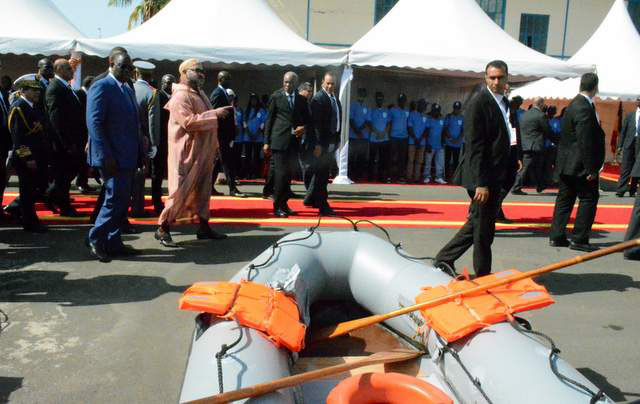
(486, 153)
(66, 116)
(534, 129)
(581, 149)
(27, 126)
(163, 98)
(148, 110)
(321, 112)
(227, 128)
(628, 132)
(112, 119)
(281, 119)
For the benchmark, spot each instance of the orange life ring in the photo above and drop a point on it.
(391, 388)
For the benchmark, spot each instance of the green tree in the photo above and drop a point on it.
(143, 11)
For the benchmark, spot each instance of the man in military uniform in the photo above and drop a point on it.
(26, 124)
(149, 116)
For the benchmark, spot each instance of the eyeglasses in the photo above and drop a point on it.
(200, 71)
(125, 67)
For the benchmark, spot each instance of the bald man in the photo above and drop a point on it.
(534, 129)
(68, 128)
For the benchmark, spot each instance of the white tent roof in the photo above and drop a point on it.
(615, 50)
(218, 31)
(35, 27)
(452, 35)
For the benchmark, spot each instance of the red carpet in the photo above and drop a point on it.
(405, 214)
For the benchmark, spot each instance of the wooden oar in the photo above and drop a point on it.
(349, 326)
(260, 389)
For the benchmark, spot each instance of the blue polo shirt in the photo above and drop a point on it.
(399, 119)
(240, 131)
(436, 126)
(454, 125)
(418, 122)
(255, 119)
(380, 118)
(359, 114)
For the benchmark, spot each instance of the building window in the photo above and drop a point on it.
(494, 9)
(634, 12)
(533, 31)
(383, 7)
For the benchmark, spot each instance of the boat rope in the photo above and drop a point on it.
(397, 246)
(277, 244)
(553, 356)
(221, 354)
(446, 348)
(4, 320)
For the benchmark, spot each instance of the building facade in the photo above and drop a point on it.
(555, 27)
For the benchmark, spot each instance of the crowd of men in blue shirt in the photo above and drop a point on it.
(396, 144)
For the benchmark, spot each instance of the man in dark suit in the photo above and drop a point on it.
(67, 127)
(515, 157)
(633, 230)
(5, 144)
(287, 116)
(629, 145)
(483, 169)
(326, 115)
(580, 158)
(82, 180)
(159, 163)
(115, 148)
(226, 135)
(534, 129)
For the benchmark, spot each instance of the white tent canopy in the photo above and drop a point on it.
(35, 27)
(615, 50)
(218, 31)
(450, 36)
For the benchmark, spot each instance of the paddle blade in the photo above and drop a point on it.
(347, 327)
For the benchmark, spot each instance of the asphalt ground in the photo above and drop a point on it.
(81, 331)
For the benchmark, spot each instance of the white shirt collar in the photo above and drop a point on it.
(588, 98)
(65, 82)
(28, 102)
(326, 92)
(120, 84)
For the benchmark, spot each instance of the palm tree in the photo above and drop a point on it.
(143, 11)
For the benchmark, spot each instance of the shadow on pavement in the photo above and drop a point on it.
(7, 386)
(565, 283)
(610, 390)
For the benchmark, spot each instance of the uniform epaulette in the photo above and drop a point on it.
(23, 151)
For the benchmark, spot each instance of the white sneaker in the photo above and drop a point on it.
(441, 181)
(426, 180)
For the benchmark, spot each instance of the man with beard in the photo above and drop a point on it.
(193, 144)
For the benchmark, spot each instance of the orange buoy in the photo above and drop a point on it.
(391, 388)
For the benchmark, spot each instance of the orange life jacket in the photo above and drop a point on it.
(466, 314)
(253, 305)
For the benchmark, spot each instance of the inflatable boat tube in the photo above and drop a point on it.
(498, 364)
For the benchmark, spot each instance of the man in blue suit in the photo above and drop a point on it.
(114, 148)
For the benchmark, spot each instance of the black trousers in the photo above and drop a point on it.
(570, 188)
(478, 231)
(27, 187)
(379, 161)
(532, 167)
(633, 230)
(399, 153)
(451, 160)
(510, 178)
(305, 162)
(317, 193)
(253, 161)
(628, 160)
(282, 160)
(65, 168)
(226, 163)
(358, 158)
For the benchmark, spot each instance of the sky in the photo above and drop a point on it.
(94, 18)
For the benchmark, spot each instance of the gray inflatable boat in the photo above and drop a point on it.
(499, 364)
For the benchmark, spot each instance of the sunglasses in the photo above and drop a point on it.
(200, 71)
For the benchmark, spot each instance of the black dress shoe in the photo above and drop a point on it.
(540, 189)
(327, 211)
(208, 233)
(563, 242)
(99, 252)
(85, 189)
(69, 212)
(288, 211)
(446, 266)
(586, 247)
(518, 192)
(165, 238)
(237, 194)
(280, 213)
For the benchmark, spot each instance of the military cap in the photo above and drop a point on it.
(143, 65)
(435, 107)
(27, 81)
(457, 105)
(231, 93)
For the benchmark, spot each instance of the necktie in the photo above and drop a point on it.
(334, 115)
(74, 93)
(505, 102)
(290, 97)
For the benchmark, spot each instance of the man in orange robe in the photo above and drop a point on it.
(192, 145)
